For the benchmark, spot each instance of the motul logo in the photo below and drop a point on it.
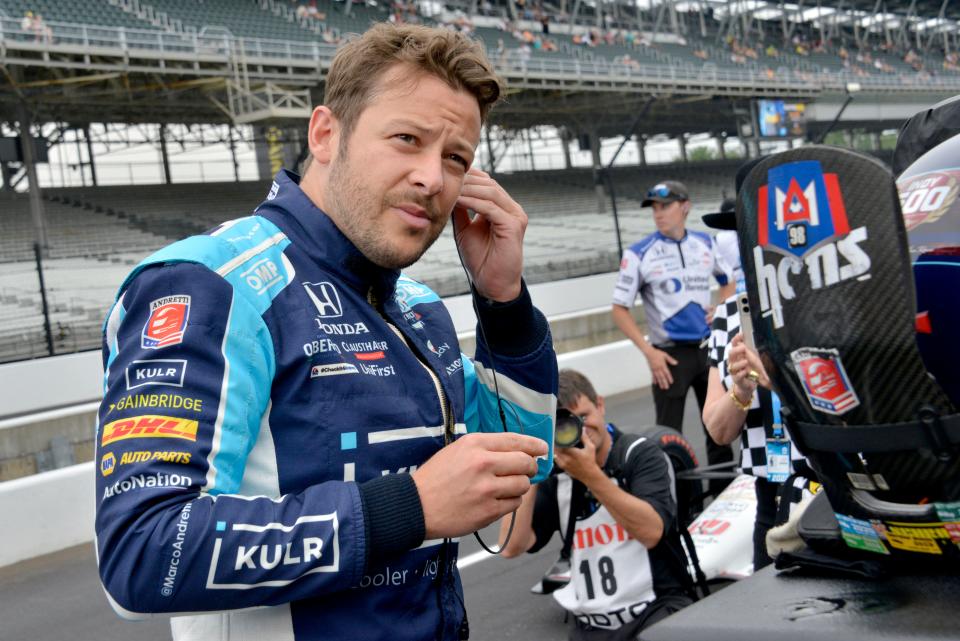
(149, 427)
(600, 535)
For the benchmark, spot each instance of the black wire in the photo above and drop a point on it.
(496, 388)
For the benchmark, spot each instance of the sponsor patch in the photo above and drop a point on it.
(250, 555)
(333, 369)
(860, 534)
(925, 198)
(149, 426)
(145, 456)
(158, 371)
(800, 208)
(167, 322)
(325, 298)
(370, 356)
(146, 481)
(108, 463)
(262, 275)
(825, 380)
(165, 401)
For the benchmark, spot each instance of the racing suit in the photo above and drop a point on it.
(268, 392)
(673, 279)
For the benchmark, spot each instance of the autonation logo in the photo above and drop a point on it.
(146, 481)
(247, 555)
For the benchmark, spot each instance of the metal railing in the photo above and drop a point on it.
(82, 39)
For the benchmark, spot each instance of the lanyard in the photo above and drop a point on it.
(775, 414)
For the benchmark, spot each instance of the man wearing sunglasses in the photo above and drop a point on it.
(671, 270)
(615, 500)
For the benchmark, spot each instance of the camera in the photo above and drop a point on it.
(569, 429)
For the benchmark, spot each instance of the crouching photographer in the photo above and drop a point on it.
(615, 500)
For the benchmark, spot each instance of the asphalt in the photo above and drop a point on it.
(58, 596)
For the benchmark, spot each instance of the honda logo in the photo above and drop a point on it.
(325, 298)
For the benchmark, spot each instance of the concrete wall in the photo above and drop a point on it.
(47, 512)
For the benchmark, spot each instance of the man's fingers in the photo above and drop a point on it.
(512, 442)
(508, 487)
(510, 463)
(671, 360)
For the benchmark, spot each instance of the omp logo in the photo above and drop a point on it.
(325, 298)
(159, 371)
(149, 426)
(262, 275)
(146, 481)
(247, 555)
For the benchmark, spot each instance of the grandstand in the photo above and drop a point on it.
(263, 63)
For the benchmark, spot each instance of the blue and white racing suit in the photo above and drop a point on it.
(673, 279)
(268, 391)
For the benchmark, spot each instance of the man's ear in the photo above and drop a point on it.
(323, 134)
(600, 406)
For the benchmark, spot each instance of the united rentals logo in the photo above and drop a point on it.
(799, 208)
(150, 426)
(167, 322)
(825, 380)
(249, 555)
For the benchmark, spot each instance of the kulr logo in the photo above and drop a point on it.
(249, 555)
(150, 426)
(800, 208)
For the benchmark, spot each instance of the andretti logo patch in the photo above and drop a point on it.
(248, 555)
(800, 208)
(825, 380)
(149, 426)
(167, 322)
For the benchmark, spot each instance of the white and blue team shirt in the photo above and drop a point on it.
(728, 248)
(673, 279)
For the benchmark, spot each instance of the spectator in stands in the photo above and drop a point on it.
(700, 53)
(671, 270)
(312, 395)
(26, 24)
(621, 584)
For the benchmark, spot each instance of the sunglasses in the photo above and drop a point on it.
(662, 192)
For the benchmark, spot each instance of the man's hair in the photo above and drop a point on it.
(449, 55)
(572, 386)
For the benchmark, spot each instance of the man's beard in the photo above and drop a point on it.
(354, 210)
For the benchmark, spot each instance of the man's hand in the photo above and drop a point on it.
(475, 480)
(660, 363)
(579, 462)
(491, 243)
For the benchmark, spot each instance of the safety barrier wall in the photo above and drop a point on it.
(48, 384)
(54, 510)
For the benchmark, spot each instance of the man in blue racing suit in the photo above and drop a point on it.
(278, 444)
(671, 270)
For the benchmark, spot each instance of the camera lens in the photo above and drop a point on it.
(568, 430)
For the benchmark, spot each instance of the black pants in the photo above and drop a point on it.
(660, 609)
(766, 519)
(691, 370)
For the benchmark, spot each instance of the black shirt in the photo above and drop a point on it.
(646, 477)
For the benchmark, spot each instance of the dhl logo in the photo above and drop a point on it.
(149, 426)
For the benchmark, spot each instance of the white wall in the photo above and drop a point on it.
(47, 512)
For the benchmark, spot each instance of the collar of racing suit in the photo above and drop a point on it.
(324, 240)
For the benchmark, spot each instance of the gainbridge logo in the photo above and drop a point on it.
(150, 426)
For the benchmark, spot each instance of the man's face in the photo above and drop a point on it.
(670, 217)
(394, 181)
(594, 423)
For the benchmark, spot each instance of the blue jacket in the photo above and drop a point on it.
(267, 393)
